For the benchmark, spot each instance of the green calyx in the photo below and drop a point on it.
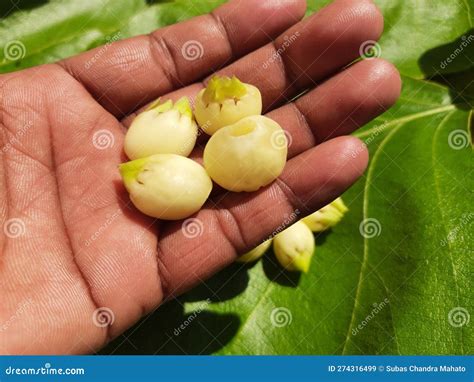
(182, 105)
(221, 88)
(301, 263)
(330, 215)
(333, 212)
(339, 205)
(326, 217)
(130, 170)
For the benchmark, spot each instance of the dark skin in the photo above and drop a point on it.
(83, 245)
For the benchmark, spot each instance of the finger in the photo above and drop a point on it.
(37, 264)
(304, 55)
(126, 74)
(339, 106)
(239, 221)
(310, 51)
(112, 244)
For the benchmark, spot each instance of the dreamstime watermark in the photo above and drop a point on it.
(17, 136)
(110, 218)
(281, 139)
(14, 228)
(366, 142)
(177, 331)
(14, 50)
(466, 41)
(370, 49)
(465, 219)
(44, 370)
(192, 50)
(192, 140)
(287, 221)
(458, 317)
(376, 308)
(100, 52)
(458, 139)
(192, 228)
(281, 317)
(287, 41)
(370, 227)
(18, 313)
(103, 139)
(103, 317)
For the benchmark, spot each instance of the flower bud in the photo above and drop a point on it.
(225, 101)
(255, 253)
(326, 217)
(247, 155)
(164, 128)
(166, 186)
(294, 247)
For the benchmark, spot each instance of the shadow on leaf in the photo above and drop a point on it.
(169, 330)
(223, 286)
(8, 8)
(276, 273)
(452, 65)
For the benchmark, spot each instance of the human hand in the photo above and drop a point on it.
(74, 247)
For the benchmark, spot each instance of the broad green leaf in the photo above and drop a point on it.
(166, 13)
(383, 281)
(420, 36)
(406, 287)
(63, 28)
(60, 29)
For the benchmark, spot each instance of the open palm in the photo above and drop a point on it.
(79, 264)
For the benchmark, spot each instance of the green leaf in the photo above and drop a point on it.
(405, 286)
(166, 13)
(65, 28)
(420, 36)
(398, 292)
(60, 29)
(388, 292)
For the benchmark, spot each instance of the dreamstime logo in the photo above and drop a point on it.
(370, 228)
(458, 139)
(465, 219)
(192, 50)
(14, 50)
(374, 134)
(370, 49)
(192, 140)
(287, 221)
(458, 317)
(376, 309)
(466, 40)
(15, 139)
(288, 40)
(100, 52)
(281, 317)
(103, 139)
(103, 317)
(191, 317)
(281, 139)
(22, 309)
(110, 218)
(192, 228)
(14, 228)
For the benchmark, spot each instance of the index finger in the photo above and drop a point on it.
(125, 75)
